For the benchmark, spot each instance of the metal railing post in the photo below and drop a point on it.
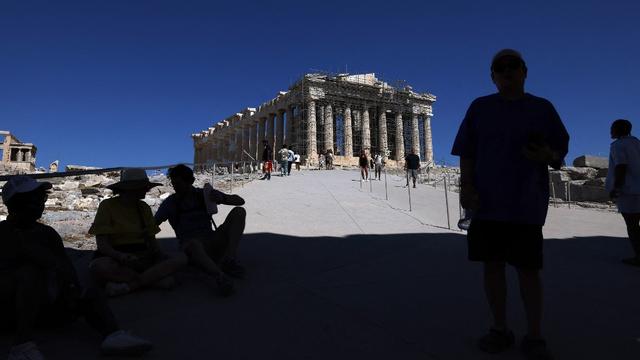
(386, 193)
(409, 190)
(446, 202)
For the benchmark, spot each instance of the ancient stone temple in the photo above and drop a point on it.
(16, 156)
(342, 113)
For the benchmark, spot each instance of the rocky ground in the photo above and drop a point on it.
(73, 201)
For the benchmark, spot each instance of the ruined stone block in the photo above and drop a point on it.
(597, 162)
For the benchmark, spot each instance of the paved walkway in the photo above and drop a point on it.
(336, 271)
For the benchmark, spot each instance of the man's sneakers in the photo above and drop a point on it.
(535, 349)
(499, 340)
(496, 341)
(123, 343)
(25, 351)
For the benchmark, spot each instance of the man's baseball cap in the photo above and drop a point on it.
(21, 184)
(506, 52)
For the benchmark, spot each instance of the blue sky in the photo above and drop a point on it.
(125, 82)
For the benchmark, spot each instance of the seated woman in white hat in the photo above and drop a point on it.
(128, 255)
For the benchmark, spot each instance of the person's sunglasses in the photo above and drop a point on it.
(511, 65)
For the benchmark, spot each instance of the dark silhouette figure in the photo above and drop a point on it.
(189, 212)
(38, 284)
(267, 158)
(506, 143)
(412, 165)
(363, 162)
(623, 182)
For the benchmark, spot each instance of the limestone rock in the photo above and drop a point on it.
(581, 173)
(597, 162)
(69, 185)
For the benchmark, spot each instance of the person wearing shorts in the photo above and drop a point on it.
(623, 182)
(189, 212)
(128, 256)
(412, 164)
(506, 143)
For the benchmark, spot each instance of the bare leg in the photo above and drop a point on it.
(163, 269)
(197, 254)
(531, 293)
(234, 228)
(106, 269)
(495, 287)
(633, 229)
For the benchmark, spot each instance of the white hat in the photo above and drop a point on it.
(21, 184)
(133, 178)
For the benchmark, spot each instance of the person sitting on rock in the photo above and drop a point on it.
(38, 283)
(189, 212)
(128, 255)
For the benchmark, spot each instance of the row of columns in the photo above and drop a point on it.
(326, 114)
(236, 139)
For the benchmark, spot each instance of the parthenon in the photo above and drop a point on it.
(343, 113)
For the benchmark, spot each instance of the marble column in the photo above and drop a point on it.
(312, 147)
(366, 131)
(328, 129)
(382, 133)
(269, 128)
(415, 134)
(399, 136)
(279, 129)
(259, 136)
(428, 141)
(288, 132)
(348, 133)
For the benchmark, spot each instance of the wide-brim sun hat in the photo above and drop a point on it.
(133, 179)
(21, 184)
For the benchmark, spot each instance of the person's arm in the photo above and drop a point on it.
(619, 175)
(104, 247)
(468, 193)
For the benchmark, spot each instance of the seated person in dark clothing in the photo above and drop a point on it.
(38, 284)
(189, 212)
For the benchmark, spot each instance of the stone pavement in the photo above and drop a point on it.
(336, 271)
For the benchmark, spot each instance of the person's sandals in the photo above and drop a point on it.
(535, 349)
(496, 341)
(634, 261)
(232, 268)
(225, 285)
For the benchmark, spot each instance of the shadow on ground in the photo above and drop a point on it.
(402, 296)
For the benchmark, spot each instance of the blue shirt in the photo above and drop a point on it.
(495, 132)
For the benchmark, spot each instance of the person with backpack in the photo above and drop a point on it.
(189, 210)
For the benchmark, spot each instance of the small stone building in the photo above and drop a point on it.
(16, 155)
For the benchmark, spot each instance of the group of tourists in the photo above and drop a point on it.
(39, 284)
(286, 159)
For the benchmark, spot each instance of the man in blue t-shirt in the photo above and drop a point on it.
(506, 143)
(623, 181)
(189, 212)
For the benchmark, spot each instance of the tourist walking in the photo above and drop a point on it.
(38, 282)
(412, 166)
(623, 182)
(267, 166)
(321, 161)
(296, 159)
(378, 163)
(329, 159)
(290, 160)
(506, 143)
(128, 255)
(363, 162)
(283, 156)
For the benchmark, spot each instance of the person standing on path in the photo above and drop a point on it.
(283, 155)
(506, 143)
(623, 182)
(266, 161)
(378, 166)
(290, 160)
(363, 162)
(412, 165)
